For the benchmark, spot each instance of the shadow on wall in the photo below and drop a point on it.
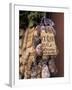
(58, 19)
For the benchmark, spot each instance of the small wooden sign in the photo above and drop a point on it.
(48, 43)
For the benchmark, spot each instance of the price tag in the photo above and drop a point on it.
(48, 43)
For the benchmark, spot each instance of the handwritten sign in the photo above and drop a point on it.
(48, 43)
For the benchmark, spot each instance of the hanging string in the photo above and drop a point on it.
(46, 21)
